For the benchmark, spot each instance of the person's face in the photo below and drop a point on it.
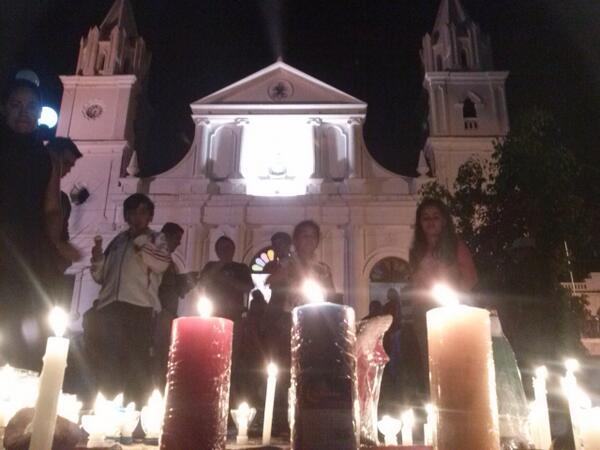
(173, 241)
(306, 242)
(22, 111)
(139, 218)
(281, 246)
(432, 222)
(67, 162)
(225, 251)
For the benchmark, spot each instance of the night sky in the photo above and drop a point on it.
(369, 49)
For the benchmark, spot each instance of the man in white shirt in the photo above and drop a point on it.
(130, 272)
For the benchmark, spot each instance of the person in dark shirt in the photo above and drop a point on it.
(282, 244)
(25, 169)
(174, 286)
(64, 154)
(225, 282)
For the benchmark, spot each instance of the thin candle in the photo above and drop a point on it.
(541, 409)
(269, 403)
(571, 390)
(429, 426)
(51, 381)
(408, 421)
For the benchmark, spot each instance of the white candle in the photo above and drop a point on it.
(152, 415)
(429, 426)
(542, 417)
(269, 403)
(242, 417)
(408, 421)
(51, 381)
(461, 375)
(590, 428)
(389, 427)
(570, 388)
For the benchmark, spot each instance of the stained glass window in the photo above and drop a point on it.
(389, 270)
(261, 259)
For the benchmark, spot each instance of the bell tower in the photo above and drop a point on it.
(100, 103)
(467, 100)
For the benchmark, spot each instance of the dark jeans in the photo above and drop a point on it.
(123, 362)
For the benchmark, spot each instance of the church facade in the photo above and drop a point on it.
(270, 150)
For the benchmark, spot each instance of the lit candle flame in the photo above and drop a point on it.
(58, 321)
(313, 291)
(272, 370)
(572, 365)
(445, 295)
(408, 418)
(205, 307)
(541, 373)
(244, 409)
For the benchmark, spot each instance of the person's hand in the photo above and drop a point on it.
(97, 249)
(69, 252)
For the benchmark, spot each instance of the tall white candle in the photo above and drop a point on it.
(590, 428)
(544, 438)
(429, 426)
(269, 403)
(571, 390)
(51, 381)
(461, 375)
(408, 421)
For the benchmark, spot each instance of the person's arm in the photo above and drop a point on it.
(466, 267)
(52, 205)
(153, 251)
(97, 263)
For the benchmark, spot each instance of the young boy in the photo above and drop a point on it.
(130, 271)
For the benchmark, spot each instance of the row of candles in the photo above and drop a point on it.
(461, 378)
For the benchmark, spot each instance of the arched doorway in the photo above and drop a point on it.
(257, 267)
(388, 273)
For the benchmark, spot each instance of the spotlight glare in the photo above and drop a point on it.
(48, 117)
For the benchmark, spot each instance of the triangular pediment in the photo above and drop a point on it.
(279, 84)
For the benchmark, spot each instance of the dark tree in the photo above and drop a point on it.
(516, 211)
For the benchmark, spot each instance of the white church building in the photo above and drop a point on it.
(270, 150)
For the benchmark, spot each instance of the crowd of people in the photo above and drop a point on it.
(127, 331)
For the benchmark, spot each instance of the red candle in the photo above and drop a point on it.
(197, 393)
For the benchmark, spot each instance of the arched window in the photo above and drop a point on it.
(469, 110)
(438, 63)
(464, 59)
(469, 114)
(261, 259)
(386, 280)
(389, 270)
(257, 267)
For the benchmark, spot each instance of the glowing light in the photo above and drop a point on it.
(408, 418)
(541, 373)
(152, 415)
(572, 365)
(58, 321)
(313, 291)
(389, 427)
(445, 295)
(205, 307)
(242, 418)
(277, 155)
(272, 370)
(48, 117)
